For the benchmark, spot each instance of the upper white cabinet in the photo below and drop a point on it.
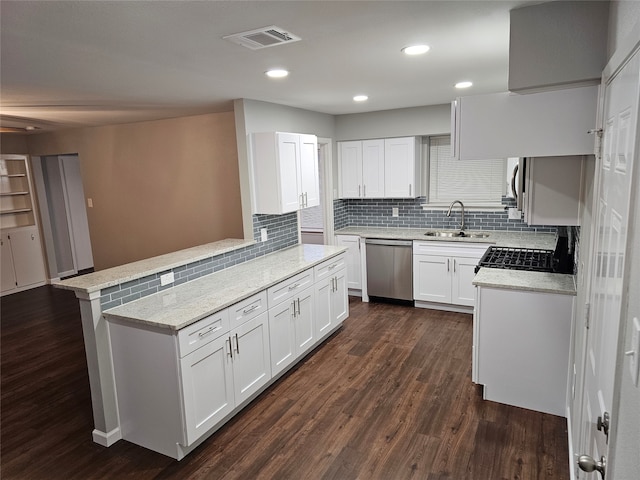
(380, 168)
(361, 169)
(284, 170)
(552, 190)
(503, 125)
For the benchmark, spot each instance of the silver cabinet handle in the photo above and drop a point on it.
(293, 287)
(358, 243)
(448, 263)
(364, 190)
(208, 331)
(293, 304)
(454, 265)
(230, 347)
(359, 191)
(298, 306)
(249, 310)
(306, 199)
(237, 345)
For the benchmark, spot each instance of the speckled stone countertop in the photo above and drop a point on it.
(96, 281)
(500, 238)
(185, 304)
(523, 280)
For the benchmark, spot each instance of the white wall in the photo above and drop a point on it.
(403, 122)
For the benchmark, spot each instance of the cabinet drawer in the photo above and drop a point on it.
(202, 332)
(247, 309)
(290, 287)
(330, 266)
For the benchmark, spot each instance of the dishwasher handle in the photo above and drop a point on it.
(384, 241)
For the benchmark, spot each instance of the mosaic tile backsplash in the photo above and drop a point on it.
(283, 233)
(378, 213)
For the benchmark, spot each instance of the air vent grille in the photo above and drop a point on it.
(263, 37)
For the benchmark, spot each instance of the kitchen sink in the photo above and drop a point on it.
(457, 235)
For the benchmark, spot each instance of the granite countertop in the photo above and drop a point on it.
(185, 304)
(546, 241)
(528, 281)
(96, 281)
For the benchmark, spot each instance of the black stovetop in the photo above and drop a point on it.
(532, 259)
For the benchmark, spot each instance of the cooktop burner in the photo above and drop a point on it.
(531, 259)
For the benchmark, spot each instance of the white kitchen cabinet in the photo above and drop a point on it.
(401, 167)
(332, 301)
(380, 168)
(502, 125)
(284, 172)
(443, 274)
(521, 347)
(291, 328)
(22, 259)
(552, 190)
(361, 168)
(353, 261)
(207, 387)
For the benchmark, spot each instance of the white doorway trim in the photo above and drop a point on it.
(325, 145)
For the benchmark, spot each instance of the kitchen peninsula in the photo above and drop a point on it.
(305, 283)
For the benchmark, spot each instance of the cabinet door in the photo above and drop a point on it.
(350, 159)
(304, 321)
(432, 278)
(6, 264)
(27, 256)
(323, 300)
(251, 358)
(462, 289)
(400, 168)
(339, 298)
(373, 168)
(207, 387)
(288, 164)
(309, 183)
(354, 263)
(282, 338)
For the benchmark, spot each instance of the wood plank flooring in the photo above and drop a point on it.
(387, 397)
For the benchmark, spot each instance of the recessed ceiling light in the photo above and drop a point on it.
(276, 73)
(360, 98)
(416, 49)
(30, 127)
(463, 84)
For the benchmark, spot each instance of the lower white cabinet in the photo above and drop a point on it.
(22, 260)
(291, 330)
(521, 347)
(353, 259)
(332, 302)
(176, 388)
(443, 272)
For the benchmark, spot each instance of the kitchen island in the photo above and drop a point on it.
(175, 309)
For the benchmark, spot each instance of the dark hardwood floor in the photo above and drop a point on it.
(388, 397)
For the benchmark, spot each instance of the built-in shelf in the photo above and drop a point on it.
(14, 211)
(16, 205)
(7, 194)
(13, 175)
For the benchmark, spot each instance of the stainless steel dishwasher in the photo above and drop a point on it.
(389, 268)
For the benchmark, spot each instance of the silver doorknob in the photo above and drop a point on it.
(588, 464)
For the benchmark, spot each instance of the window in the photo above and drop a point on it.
(474, 182)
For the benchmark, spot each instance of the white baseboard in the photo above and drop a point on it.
(444, 306)
(107, 439)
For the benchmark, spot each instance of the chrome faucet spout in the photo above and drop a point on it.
(462, 212)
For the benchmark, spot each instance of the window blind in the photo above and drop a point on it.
(471, 181)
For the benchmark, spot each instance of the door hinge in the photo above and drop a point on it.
(598, 132)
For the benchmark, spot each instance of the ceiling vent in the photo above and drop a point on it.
(263, 38)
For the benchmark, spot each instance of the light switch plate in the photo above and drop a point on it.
(394, 211)
(264, 236)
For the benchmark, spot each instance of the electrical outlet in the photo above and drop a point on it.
(166, 279)
(394, 211)
(263, 235)
(514, 214)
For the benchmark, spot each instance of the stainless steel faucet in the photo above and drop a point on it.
(462, 215)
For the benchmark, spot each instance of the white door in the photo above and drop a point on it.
(399, 167)
(282, 338)
(207, 387)
(251, 359)
(611, 213)
(340, 298)
(350, 159)
(6, 265)
(303, 319)
(354, 264)
(323, 306)
(288, 153)
(309, 184)
(432, 278)
(462, 289)
(373, 168)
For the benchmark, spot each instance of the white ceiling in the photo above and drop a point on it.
(84, 63)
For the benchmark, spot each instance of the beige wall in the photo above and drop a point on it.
(13, 143)
(156, 186)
